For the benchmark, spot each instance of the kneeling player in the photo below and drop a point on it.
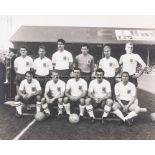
(99, 93)
(54, 93)
(76, 90)
(127, 101)
(29, 92)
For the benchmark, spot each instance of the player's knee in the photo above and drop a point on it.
(82, 101)
(88, 101)
(109, 102)
(115, 107)
(65, 100)
(60, 100)
(136, 109)
(136, 102)
(44, 103)
(103, 104)
(38, 97)
(17, 98)
(43, 100)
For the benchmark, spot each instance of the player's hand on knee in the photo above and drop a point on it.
(125, 109)
(25, 96)
(29, 95)
(99, 100)
(96, 99)
(47, 100)
(51, 100)
(122, 106)
(72, 98)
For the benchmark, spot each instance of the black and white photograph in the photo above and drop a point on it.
(77, 77)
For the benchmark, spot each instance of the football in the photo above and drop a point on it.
(74, 118)
(39, 116)
(152, 117)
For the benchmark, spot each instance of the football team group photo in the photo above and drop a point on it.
(55, 82)
(69, 90)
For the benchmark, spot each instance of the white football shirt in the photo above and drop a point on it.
(62, 59)
(76, 87)
(125, 92)
(129, 62)
(29, 88)
(23, 64)
(99, 89)
(108, 66)
(55, 88)
(42, 66)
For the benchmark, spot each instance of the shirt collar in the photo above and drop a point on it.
(42, 58)
(24, 57)
(61, 51)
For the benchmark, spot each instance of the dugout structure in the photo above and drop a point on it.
(96, 37)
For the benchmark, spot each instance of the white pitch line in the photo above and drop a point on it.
(24, 130)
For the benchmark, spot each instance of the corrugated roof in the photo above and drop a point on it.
(72, 34)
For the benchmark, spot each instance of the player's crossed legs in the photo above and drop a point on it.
(128, 115)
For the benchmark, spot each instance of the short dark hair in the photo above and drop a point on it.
(23, 47)
(129, 43)
(76, 68)
(29, 72)
(106, 46)
(42, 47)
(61, 40)
(100, 70)
(125, 73)
(85, 45)
(55, 71)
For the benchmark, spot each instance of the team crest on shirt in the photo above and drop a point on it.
(59, 89)
(27, 63)
(65, 58)
(80, 87)
(104, 89)
(131, 60)
(33, 88)
(128, 91)
(44, 64)
(88, 62)
(110, 64)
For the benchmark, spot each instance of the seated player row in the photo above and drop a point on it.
(74, 93)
